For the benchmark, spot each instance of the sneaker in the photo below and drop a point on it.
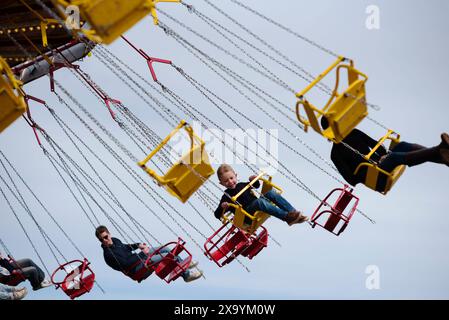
(192, 264)
(44, 284)
(19, 294)
(193, 275)
(300, 218)
(303, 218)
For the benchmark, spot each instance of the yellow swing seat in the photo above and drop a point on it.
(376, 178)
(241, 218)
(343, 111)
(189, 172)
(109, 19)
(12, 102)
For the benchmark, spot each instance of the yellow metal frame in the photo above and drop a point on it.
(109, 19)
(373, 172)
(344, 111)
(183, 180)
(12, 101)
(259, 217)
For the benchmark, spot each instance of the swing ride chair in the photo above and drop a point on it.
(12, 102)
(16, 276)
(229, 241)
(188, 173)
(344, 111)
(109, 19)
(376, 178)
(338, 213)
(168, 269)
(78, 281)
(241, 218)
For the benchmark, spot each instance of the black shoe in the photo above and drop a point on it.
(444, 153)
(444, 141)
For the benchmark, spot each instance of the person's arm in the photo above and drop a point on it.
(133, 246)
(111, 260)
(222, 207)
(7, 265)
(255, 184)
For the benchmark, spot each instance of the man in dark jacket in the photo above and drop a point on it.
(121, 257)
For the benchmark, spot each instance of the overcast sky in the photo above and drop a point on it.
(405, 59)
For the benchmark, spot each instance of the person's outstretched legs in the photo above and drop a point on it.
(412, 155)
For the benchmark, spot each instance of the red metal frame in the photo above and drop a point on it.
(85, 282)
(16, 276)
(336, 212)
(149, 59)
(224, 248)
(168, 269)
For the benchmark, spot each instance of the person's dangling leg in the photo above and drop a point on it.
(31, 274)
(412, 155)
(264, 205)
(279, 200)
(24, 263)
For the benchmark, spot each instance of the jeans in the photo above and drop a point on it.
(280, 210)
(6, 292)
(31, 271)
(158, 258)
(398, 154)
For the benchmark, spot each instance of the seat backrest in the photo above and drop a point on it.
(11, 106)
(13, 279)
(379, 181)
(239, 238)
(257, 244)
(348, 110)
(342, 202)
(110, 19)
(184, 179)
(242, 221)
(84, 285)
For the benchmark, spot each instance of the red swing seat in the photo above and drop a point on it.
(72, 286)
(336, 213)
(16, 277)
(168, 269)
(228, 242)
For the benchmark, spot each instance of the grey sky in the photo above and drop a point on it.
(408, 74)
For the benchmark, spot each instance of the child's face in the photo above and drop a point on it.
(229, 179)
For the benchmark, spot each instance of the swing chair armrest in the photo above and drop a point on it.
(301, 94)
(370, 165)
(388, 136)
(249, 185)
(271, 184)
(237, 207)
(162, 144)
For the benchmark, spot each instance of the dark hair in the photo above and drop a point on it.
(100, 230)
(324, 123)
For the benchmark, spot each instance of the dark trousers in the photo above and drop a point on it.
(31, 271)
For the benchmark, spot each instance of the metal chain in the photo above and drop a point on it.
(21, 225)
(65, 128)
(142, 182)
(42, 205)
(313, 43)
(301, 184)
(323, 87)
(269, 76)
(307, 76)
